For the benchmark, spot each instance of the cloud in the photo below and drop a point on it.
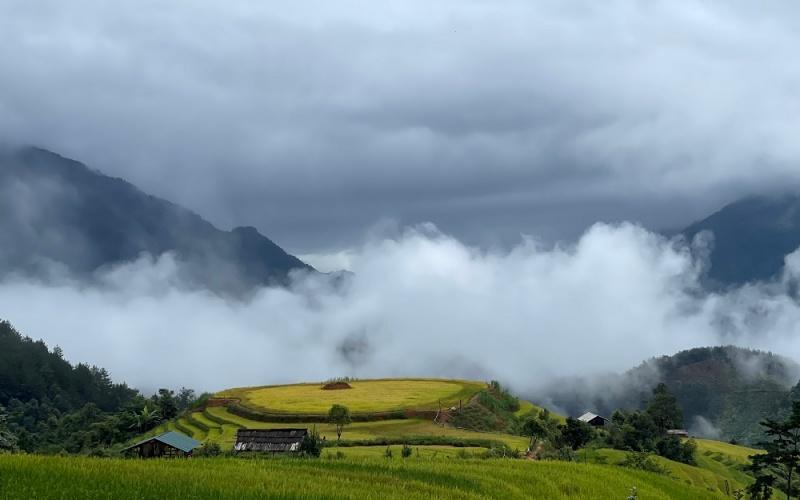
(312, 120)
(420, 304)
(704, 429)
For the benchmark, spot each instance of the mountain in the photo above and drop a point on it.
(724, 391)
(57, 210)
(751, 238)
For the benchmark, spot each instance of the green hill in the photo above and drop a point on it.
(730, 387)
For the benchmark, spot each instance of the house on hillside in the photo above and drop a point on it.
(593, 419)
(274, 440)
(167, 445)
(681, 433)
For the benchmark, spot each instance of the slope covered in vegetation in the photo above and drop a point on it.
(74, 477)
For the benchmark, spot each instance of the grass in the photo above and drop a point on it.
(426, 452)
(366, 396)
(53, 477)
(699, 477)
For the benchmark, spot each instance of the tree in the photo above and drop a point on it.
(311, 444)
(664, 409)
(576, 433)
(166, 404)
(339, 415)
(145, 420)
(778, 465)
(8, 441)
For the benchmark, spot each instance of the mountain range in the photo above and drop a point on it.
(55, 211)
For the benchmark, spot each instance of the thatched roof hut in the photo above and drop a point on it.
(269, 439)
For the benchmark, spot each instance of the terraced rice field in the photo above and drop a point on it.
(225, 433)
(365, 396)
(54, 477)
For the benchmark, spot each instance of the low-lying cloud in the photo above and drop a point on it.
(420, 304)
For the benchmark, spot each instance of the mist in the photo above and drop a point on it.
(420, 303)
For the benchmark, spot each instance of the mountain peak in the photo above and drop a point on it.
(115, 222)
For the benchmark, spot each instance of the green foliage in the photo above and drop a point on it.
(165, 404)
(575, 433)
(209, 449)
(642, 461)
(145, 419)
(779, 465)
(339, 415)
(28, 370)
(646, 431)
(493, 411)
(425, 440)
(673, 448)
(406, 451)
(8, 441)
(664, 409)
(312, 444)
(388, 452)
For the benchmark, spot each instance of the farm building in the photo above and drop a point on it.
(167, 445)
(678, 432)
(274, 440)
(593, 420)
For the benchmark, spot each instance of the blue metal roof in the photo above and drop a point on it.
(174, 439)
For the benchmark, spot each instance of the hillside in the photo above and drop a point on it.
(384, 411)
(407, 479)
(53, 209)
(729, 387)
(751, 238)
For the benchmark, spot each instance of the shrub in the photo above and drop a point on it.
(406, 451)
(388, 452)
(209, 449)
(311, 445)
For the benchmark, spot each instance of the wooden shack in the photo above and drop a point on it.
(593, 419)
(167, 445)
(681, 433)
(274, 440)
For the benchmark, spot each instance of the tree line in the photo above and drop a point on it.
(48, 405)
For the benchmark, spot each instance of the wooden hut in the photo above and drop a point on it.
(274, 440)
(167, 445)
(593, 419)
(681, 433)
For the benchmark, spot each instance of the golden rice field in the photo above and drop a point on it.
(366, 396)
(53, 477)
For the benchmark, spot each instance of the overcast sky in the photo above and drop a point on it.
(316, 121)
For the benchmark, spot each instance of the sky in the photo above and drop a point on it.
(315, 121)
(494, 174)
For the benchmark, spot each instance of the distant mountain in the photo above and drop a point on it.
(57, 210)
(730, 388)
(751, 238)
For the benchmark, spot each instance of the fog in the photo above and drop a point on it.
(421, 303)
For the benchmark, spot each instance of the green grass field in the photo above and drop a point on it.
(53, 477)
(366, 396)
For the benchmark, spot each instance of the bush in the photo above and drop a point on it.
(640, 460)
(311, 445)
(406, 451)
(209, 449)
(388, 452)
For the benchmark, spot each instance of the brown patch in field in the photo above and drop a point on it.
(336, 386)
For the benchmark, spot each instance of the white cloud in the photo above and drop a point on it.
(420, 304)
